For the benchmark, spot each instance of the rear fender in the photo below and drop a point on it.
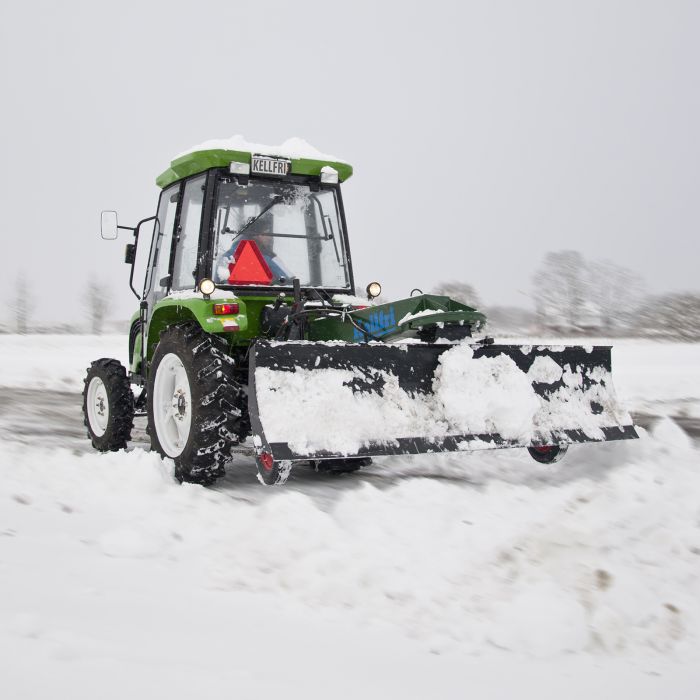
(176, 309)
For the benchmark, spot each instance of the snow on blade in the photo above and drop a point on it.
(327, 415)
(487, 395)
(419, 314)
(335, 411)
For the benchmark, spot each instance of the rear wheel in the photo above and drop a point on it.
(547, 454)
(196, 406)
(108, 405)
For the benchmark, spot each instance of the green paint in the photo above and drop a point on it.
(199, 161)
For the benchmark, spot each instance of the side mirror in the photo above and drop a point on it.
(130, 253)
(109, 228)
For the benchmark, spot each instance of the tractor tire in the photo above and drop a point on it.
(197, 409)
(108, 405)
(548, 454)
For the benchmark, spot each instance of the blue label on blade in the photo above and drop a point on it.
(379, 323)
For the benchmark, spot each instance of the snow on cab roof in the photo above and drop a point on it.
(306, 160)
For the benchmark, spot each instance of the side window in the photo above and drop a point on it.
(188, 234)
(327, 255)
(160, 250)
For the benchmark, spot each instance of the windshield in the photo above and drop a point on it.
(269, 232)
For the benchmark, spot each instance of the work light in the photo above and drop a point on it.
(374, 289)
(207, 286)
(237, 168)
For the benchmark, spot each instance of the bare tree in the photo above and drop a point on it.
(670, 316)
(459, 291)
(559, 289)
(96, 302)
(24, 304)
(574, 294)
(616, 293)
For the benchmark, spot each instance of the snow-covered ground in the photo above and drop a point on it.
(55, 361)
(435, 576)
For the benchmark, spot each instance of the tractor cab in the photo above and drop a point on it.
(253, 224)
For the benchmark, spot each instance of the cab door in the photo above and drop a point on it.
(187, 234)
(158, 280)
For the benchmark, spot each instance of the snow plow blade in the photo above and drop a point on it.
(314, 401)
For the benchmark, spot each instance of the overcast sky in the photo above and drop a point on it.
(483, 134)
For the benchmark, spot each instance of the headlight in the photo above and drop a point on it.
(374, 289)
(207, 286)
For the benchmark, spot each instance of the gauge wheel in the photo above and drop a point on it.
(547, 454)
(108, 405)
(272, 472)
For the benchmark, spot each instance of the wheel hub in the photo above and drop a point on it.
(97, 406)
(180, 404)
(172, 398)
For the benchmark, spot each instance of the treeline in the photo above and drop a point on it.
(95, 303)
(573, 295)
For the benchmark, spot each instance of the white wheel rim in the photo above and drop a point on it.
(172, 405)
(97, 406)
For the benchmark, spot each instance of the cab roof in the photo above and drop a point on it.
(305, 160)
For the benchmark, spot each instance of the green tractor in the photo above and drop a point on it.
(248, 326)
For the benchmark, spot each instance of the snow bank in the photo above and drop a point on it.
(294, 147)
(510, 555)
(55, 362)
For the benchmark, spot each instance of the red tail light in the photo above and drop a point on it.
(225, 309)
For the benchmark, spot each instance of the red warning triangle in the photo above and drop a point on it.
(249, 266)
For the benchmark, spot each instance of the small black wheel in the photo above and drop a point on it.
(196, 405)
(270, 471)
(547, 454)
(108, 405)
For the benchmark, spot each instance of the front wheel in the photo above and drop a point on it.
(108, 405)
(547, 454)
